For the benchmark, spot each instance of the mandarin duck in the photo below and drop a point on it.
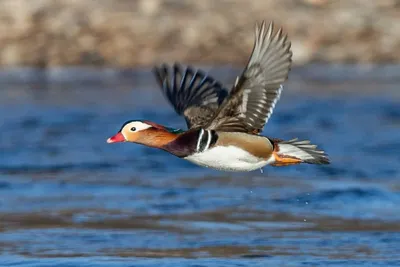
(224, 126)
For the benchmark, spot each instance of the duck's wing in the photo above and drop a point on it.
(257, 90)
(192, 93)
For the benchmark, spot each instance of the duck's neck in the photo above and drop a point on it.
(183, 145)
(159, 138)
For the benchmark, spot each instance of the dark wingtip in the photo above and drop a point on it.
(319, 161)
(160, 72)
(320, 158)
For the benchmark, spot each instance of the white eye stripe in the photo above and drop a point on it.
(138, 125)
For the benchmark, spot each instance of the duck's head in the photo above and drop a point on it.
(144, 132)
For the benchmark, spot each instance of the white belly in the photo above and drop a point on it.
(228, 158)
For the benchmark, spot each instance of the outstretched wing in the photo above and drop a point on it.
(257, 90)
(192, 93)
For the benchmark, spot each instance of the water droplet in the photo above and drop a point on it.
(306, 202)
(305, 220)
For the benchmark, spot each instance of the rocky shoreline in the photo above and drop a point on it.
(137, 33)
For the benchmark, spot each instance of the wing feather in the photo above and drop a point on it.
(257, 90)
(191, 92)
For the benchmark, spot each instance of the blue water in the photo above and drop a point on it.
(67, 198)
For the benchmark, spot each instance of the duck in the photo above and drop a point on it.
(224, 126)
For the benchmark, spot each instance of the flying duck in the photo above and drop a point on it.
(224, 126)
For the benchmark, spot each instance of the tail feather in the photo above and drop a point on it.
(295, 152)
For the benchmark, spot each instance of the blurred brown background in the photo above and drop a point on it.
(129, 33)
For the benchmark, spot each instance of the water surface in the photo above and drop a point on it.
(67, 198)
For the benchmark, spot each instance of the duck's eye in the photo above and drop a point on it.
(133, 129)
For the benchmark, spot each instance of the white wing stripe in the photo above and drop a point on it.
(208, 140)
(199, 139)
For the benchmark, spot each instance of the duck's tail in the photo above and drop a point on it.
(295, 152)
